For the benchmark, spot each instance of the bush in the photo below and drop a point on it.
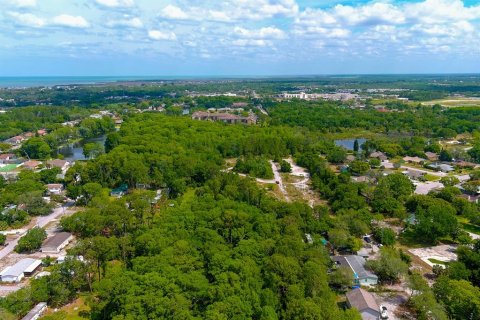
(285, 167)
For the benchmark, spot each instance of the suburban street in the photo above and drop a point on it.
(41, 222)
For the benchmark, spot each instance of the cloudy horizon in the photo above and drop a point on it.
(242, 37)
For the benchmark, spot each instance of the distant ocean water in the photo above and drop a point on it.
(28, 82)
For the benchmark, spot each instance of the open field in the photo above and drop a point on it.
(455, 102)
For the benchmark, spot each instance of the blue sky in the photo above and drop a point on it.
(237, 37)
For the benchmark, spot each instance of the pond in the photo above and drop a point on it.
(74, 151)
(348, 143)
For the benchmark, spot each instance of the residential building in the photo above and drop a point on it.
(31, 164)
(357, 265)
(441, 167)
(55, 188)
(56, 243)
(36, 312)
(224, 117)
(58, 163)
(4, 158)
(379, 155)
(431, 156)
(23, 268)
(414, 174)
(365, 303)
(416, 160)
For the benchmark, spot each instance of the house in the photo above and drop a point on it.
(239, 105)
(15, 140)
(4, 158)
(42, 132)
(350, 158)
(58, 163)
(357, 265)
(365, 303)
(36, 312)
(54, 188)
(414, 174)
(23, 268)
(224, 117)
(431, 156)
(31, 164)
(379, 155)
(56, 243)
(416, 160)
(361, 179)
(441, 167)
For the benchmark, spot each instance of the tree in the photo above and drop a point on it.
(113, 140)
(445, 156)
(31, 241)
(436, 221)
(385, 236)
(92, 150)
(358, 167)
(355, 146)
(389, 267)
(449, 181)
(374, 162)
(460, 297)
(285, 166)
(36, 148)
(423, 300)
(3, 238)
(341, 277)
(337, 155)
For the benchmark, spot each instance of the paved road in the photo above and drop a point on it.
(41, 222)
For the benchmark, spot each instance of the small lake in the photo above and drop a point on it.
(74, 151)
(348, 143)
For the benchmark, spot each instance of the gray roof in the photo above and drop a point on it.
(35, 311)
(57, 240)
(356, 263)
(362, 300)
(27, 264)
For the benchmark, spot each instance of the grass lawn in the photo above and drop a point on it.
(71, 311)
(470, 227)
(435, 261)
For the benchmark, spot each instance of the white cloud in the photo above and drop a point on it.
(28, 19)
(65, 20)
(162, 35)
(125, 23)
(233, 10)
(436, 11)
(24, 3)
(251, 43)
(174, 12)
(116, 3)
(263, 33)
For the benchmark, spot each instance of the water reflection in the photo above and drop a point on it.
(74, 151)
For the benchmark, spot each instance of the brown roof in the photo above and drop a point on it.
(56, 163)
(31, 164)
(362, 300)
(54, 185)
(6, 156)
(57, 240)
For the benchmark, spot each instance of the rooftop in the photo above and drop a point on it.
(356, 263)
(362, 300)
(24, 265)
(57, 240)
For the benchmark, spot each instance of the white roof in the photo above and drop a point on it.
(24, 265)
